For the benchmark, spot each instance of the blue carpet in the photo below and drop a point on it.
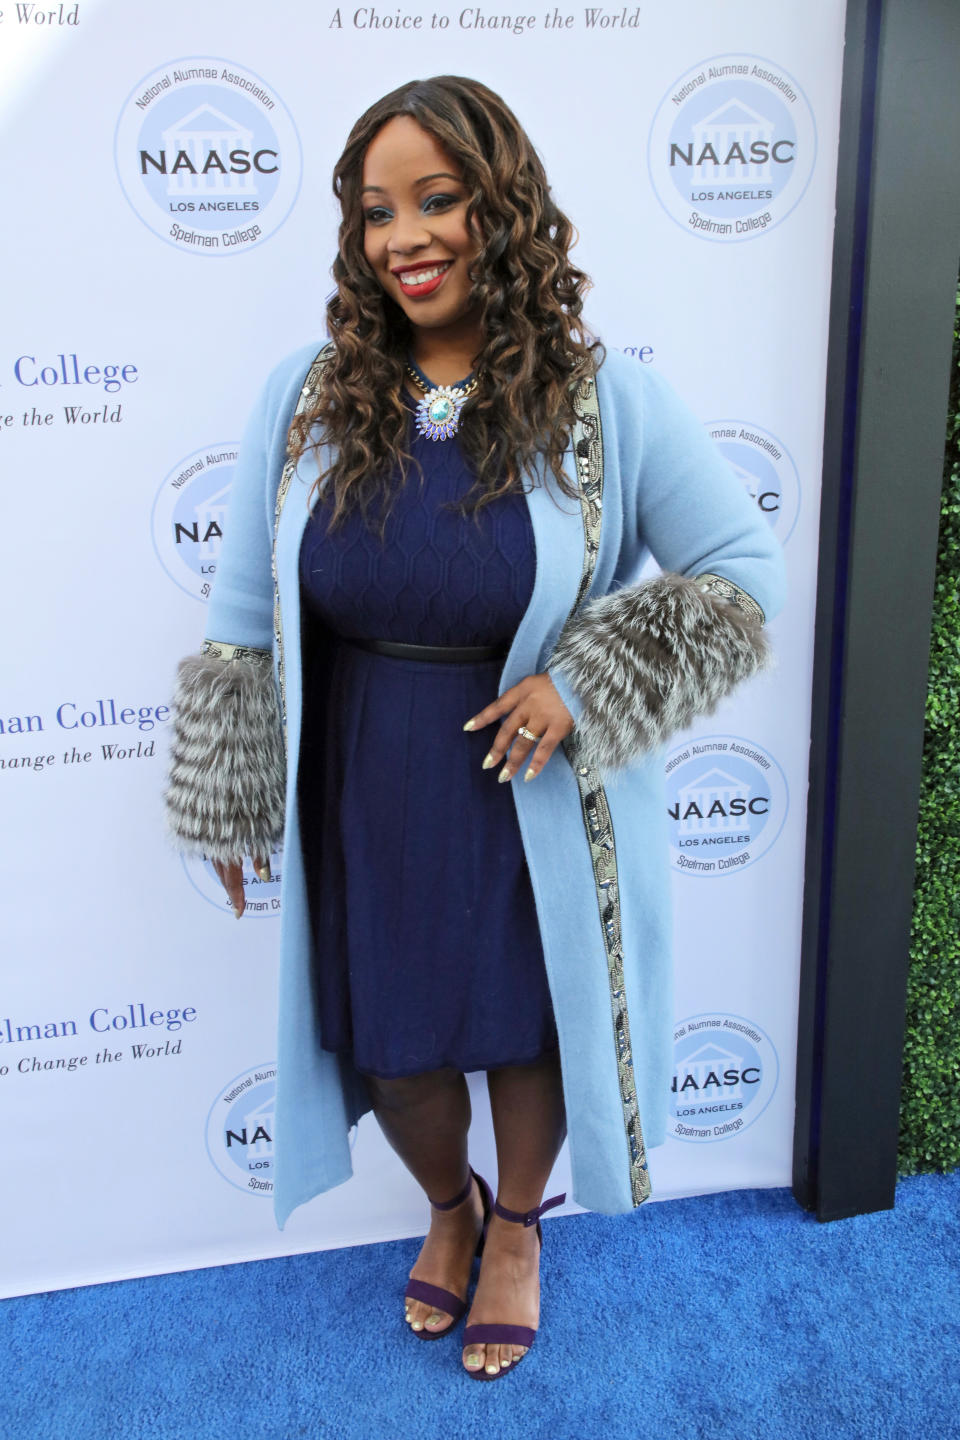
(726, 1317)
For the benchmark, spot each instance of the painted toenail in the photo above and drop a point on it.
(418, 1324)
(504, 1362)
(492, 1369)
(473, 1360)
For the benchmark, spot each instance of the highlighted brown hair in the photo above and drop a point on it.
(530, 297)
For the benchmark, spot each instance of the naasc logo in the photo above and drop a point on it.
(208, 156)
(189, 517)
(725, 1071)
(762, 465)
(732, 147)
(261, 897)
(726, 804)
(240, 1128)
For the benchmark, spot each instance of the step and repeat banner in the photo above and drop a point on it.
(168, 234)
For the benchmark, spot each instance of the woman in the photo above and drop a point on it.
(448, 607)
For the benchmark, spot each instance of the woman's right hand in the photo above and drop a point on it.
(231, 878)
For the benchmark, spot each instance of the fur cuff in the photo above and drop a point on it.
(648, 659)
(225, 793)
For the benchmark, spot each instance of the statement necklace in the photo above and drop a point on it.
(438, 413)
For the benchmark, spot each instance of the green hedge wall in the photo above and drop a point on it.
(930, 1104)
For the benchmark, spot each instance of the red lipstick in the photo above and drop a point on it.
(426, 287)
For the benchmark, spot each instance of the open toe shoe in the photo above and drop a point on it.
(497, 1334)
(436, 1295)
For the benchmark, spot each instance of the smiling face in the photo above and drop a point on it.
(415, 232)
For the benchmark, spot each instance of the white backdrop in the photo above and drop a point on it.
(148, 290)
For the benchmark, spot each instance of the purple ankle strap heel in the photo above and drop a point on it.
(497, 1334)
(459, 1198)
(435, 1295)
(529, 1217)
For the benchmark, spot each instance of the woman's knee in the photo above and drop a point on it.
(410, 1090)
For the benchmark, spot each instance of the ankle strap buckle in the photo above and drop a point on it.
(529, 1217)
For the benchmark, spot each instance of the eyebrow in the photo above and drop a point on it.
(439, 175)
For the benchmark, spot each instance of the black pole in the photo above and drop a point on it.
(894, 275)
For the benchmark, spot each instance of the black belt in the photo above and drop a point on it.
(449, 653)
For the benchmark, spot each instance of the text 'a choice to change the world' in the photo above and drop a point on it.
(480, 19)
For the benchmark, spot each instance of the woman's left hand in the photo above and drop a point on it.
(534, 703)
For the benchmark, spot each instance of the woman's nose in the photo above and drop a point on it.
(408, 232)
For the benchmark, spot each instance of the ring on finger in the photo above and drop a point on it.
(527, 734)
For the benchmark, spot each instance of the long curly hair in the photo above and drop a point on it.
(535, 351)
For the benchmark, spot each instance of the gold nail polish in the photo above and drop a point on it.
(488, 761)
(469, 725)
(529, 775)
(504, 775)
(264, 872)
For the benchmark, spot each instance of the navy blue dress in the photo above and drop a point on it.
(419, 890)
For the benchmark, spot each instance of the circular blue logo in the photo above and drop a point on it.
(208, 156)
(726, 804)
(239, 1131)
(262, 897)
(764, 468)
(732, 147)
(189, 517)
(725, 1071)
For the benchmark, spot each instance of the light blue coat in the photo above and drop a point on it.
(666, 492)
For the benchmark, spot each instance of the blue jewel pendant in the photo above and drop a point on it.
(438, 413)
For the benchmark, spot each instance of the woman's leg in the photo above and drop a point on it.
(530, 1125)
(425, 1118)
